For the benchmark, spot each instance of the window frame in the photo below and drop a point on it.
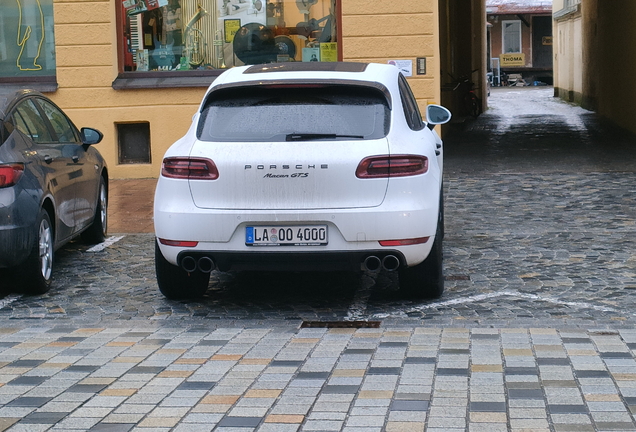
(42, 83)
(179, 79)
(412, 113)
(46, 122)
(503, 36)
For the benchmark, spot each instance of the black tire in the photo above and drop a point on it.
(37, 271)
(96, 233)
(474, 105)
(177, 284)
(425, 280)
(441, 212)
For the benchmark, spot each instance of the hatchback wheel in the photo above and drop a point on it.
(38, 267)
(176, 283)
(427, 278)
(96, 233)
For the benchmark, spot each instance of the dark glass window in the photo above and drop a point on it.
(279, 114)
(27, 42)
(65, 131)
(411, 110)
(35, 125)
(134, 142)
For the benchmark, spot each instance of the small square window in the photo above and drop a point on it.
(134, 143)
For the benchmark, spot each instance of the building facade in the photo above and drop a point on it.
(137, 69)
(595, 57)
(520, 40)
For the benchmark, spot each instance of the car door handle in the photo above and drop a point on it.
(48, 159)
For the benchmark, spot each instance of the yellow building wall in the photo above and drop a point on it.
(86, 53)
(613, 65)
(595, 60)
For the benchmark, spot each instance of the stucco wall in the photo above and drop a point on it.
(568, 58)
(595, 58)
(86, 50)
(615, 34)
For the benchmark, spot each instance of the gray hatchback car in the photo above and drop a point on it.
(53, 187)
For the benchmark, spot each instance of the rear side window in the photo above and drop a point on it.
(411, 111)
(274, 113)
(29, 122)
(64, 130)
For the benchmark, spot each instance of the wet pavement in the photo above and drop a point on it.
(536, 330)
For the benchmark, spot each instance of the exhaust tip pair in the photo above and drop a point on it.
(203, 264)
(373, 263)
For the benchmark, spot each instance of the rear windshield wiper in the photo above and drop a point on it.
(317, 136)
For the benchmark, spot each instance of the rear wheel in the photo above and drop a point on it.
(473, 105)
(36, 272)
(176, 283)
(427, 278)
(96, 233)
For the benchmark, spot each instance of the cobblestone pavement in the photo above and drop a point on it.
(535, 332)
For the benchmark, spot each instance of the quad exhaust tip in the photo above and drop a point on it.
(373, 263)
(206, 265)
(390, 263)
(203, 264)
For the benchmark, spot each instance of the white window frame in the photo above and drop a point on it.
(503, 35)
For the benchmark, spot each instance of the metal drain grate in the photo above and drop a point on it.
(340, 324)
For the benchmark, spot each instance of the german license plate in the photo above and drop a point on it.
(297, 235)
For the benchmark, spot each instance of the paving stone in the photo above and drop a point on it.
(535, 328)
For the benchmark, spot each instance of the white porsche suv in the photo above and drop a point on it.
(303, 166)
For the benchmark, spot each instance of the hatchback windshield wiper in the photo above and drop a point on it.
(317, 136)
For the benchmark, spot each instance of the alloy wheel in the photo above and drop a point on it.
(45, 241)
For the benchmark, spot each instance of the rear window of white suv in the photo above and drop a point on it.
(280, 113)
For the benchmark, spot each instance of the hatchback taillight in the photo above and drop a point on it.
(189, 168)
(10, 174)
(392, 166)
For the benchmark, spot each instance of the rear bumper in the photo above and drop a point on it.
(18, 212)
(288, 261)
(15, 245)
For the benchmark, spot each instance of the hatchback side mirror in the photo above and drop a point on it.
(91, 136)
(437, 114)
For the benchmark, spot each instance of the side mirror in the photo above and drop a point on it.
(91, 136)
(437, 114)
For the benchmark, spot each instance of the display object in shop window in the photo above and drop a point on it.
(142, 60)
(231, 26)
(163, 56)
(255, 43)
(218, 46)
(194, 39)
(311, 54)
(185, 35)
(236, 6)
(329, 52)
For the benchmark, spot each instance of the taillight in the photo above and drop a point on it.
(180, 243)
(10, 174)
(189, 168)
(392, 166)
(405, 242)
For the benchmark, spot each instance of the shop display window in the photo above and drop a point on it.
(27, 43)
(195, 35)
